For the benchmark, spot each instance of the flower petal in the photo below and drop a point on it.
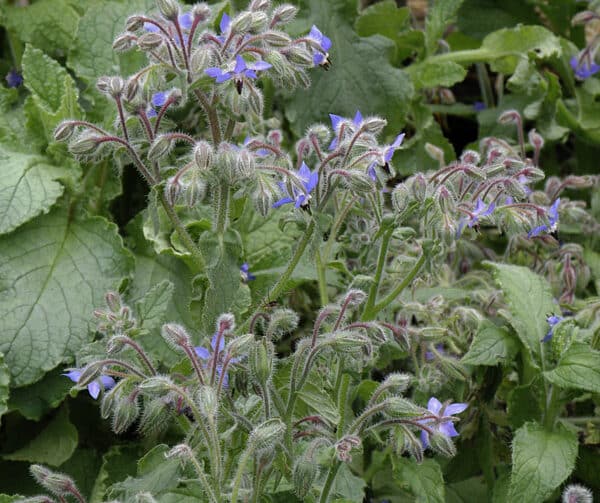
(448, 429)
(186, 20)
(455, 408)
(358, 118)
(240, 65)
(434, 405)
(202, 352)
(424, 439)
(159, 98)
(107, 382)
(335, 120)
(283, 201)
(73, 375)
(260, 66)
(94, 389)
(225, 22)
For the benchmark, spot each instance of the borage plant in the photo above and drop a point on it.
(244, 399)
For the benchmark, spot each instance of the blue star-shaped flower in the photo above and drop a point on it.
(446, 427)
(205, 354)
(240, 71)
(309, 181)
(388, 153)
(335, 122)
(552, 320)
(584, 68)
(552, 221)
(14, 78)
(94, 388)
(479, 211)
(320, 57)
(245, 273)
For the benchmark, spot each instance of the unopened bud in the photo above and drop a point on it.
(258, 22)
(578, 182)
(56, 483)
(116, 344)
(149, 41)
(155, 417)
(182, 451)
(173, 189)
(36, 499)
(397, 382)
(240, 345)
(445, 200)
(241, 23)
(85, 144)
(435, 153)
(161, 146)
(64, 131)
(132, 87)
(124, 42)
(267, 434)
(535, 139)
(355, 297)
(419, 187)
(282, 321)
(470, 157)
(246, 164)
(576, 493)
(168, 8)
(400, 407)
(134, 23)
(400, 198)
(125, 412)
(207, 400)
(442, 444)
(203, 155)
(261, 5)
(156, 383)
(200, 60)
(113, 301)
(201, 11)
(374, 125)
(509, 117)
(360, 183)
(261, 361)
(176, 335)
(277, 38)
(299, 56)
(256, 101)
(304, 475)
(283, 14)
(583, 17)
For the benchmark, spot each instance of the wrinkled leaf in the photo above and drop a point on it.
(578, 368)
(424, 480)
(491, 345)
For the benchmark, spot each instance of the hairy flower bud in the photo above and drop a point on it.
(397, 382)
(442, 444)
(360, 183)
(131, 89)
(134, 23)
(201, 11)
(262, 5)
(575, 493)
(155, 417)
(168, 8)
(156, 384)
(124, 42)
(435, 153)
(56, 483)
(207, 400)
(304, 475)
(374, 125)
(240, 345)
(125, 412)
(241, 23)
(277, 38)
(400, 198)
(419, 187)
(267, 434)
(283, 14)
(400, 407)
(161, 146)
(226, 323)
(64, 131)
(299, 56)
(282, 321)
(583, 17)
(175, 335)
(258, 22)
(149, 41)
(85, 144)
(263, 196)
(144, 497)
(509, 117)
(261, 361)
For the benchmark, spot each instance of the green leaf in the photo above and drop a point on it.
(523, 404)
(92, 54)
(35, 400)
(424, 480)
(54, 96)
(28, 187)
(478, 18)
(542, 460)
(491, 345)
(152, 307)
(4, 382)
(81, 467)
(348, 486)
(48, 24)
(439, 16)
(54, 270)
(466, 491)
(118, 463)
(506, 47)
(429, 74)
(53, 446)
(382, 18)
(529, 299)
(578, 368)
(361, 76)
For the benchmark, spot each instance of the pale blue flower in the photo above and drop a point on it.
(241, 70)
(309, 181)
(102, 383)
(446, 427)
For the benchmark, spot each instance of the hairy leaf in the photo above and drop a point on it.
(424, 480)
(541, 461)
(53, 446)
(54, 271)
(578, 368)
(490, 346)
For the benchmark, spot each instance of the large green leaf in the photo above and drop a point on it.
(92, 54)
(490, 346)
(28, 187)
(383, 18)
(54, 96)
(361, 76)
(152, 307)
(53, 446)
(48, 24)
(478, 18)
(440, 15)
(424, 480)
(443, 73)
(118, 463)
(529, 299)
(347, 487)
(578, 368)
(541, 461)
(54, 270)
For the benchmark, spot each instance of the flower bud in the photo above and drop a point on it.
(203, 155)
(261, 5)
(267, 434)
(226, 323)
(299, 56)
(277, 38)
(283, 321)
(64, 131)
(109, 400)
(161, 146)
(262, 197)
(241, 23)
(85, 144)
(435, 153)
(125, 412)
(509, 117)
(442, 444)
(397, 382)
(535, 139)
(144, 497)
(575, 493)
(255, 100)
(149, 41)
(419, 187)
(400, 198)
(168, 8)
(208, 401)
(134, 23)
(396, 406)
(175, 335)
(444, 200)
(182, 451)
(131, 89)
(304, 475)
(116, 344)
(283, 14)
(155, 417)
(174, 188)
(200, 60)
(470, 157)
(201, 11)
(355, 297)
(37, 499)
(360, 183)
(156, 384)
(258, 22)
(124, 42)
(56, 483)
(374, 125)
(261, 361)
(246, 164)
(240, 345)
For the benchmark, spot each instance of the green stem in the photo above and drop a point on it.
(466, 56)
(213, 117)
(322, 278)
(279, 286)
(552, 408)
(333, 469)
(222, 210)
(340, 218)
(184, 235)
(240, 471)
(342, 394)
(370, 315)
(372, 298)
